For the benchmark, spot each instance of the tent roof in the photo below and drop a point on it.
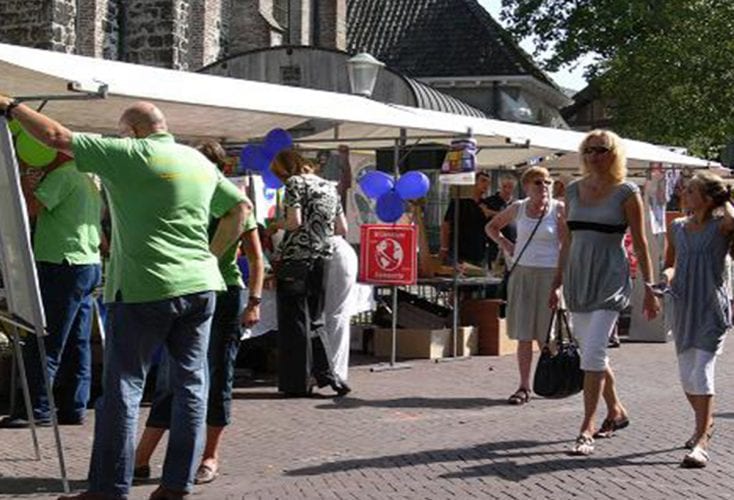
(234, 110)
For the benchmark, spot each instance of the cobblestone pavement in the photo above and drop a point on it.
(438, 430)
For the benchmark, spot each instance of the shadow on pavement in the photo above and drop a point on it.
(486, 451)
(509, 470)
(724, 415)
(347, 403)
(36, 485)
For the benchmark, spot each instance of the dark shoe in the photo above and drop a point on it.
(163, 493)
(21, 423)
(71, 420)
(337, 384)
(205, 474)
(89, 495)
(520, 397)
(141, 472)
(609, 427)
(341, 388)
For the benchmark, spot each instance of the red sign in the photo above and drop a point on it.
(387, 254)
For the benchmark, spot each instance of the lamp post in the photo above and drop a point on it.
(363, 69)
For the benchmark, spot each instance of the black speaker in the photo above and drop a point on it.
(422, 157)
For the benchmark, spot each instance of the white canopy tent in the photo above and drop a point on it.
(232, 110)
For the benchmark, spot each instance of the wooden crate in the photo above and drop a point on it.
(425, 343)
(491, 329)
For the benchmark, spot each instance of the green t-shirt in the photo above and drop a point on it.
(68, 225)
(228, 263)
(161, 196)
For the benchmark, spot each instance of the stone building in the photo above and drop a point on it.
(179, 34)
(451, 45)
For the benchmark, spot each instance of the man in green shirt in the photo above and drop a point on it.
(66, 207)
(161, 283)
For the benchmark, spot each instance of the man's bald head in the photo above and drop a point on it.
(142, 119)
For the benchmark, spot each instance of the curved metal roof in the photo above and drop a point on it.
(429, 98)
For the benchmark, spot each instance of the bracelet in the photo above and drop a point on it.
(254, 300)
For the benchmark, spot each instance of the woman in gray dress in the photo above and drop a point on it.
(695, 269)
(594, 272)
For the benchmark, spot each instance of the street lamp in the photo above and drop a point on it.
(363, 69)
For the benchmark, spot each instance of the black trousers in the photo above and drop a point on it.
(300, 301)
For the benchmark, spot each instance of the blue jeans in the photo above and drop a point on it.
(223, 348)
(66, 292)
(134, 332)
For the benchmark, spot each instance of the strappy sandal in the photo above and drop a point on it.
(584, 446)
(694, 439)
(609, 427)
(205, 474)
(697, 458)
(520, 397)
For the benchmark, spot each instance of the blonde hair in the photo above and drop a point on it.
(618, 168)
(534, 172)
(288, 163)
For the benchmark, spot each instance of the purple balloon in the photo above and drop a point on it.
(277, 140)
(271, 180)
(375, 183)
(413, 185)
(390, 207)
(247, 157)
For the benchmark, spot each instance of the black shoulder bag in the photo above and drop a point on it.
(502, 290)
(559, 375)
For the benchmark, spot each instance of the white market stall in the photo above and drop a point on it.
(201, 106)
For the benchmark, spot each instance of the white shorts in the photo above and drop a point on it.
(592, 330)
(696, 368)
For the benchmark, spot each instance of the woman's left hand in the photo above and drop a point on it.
(251, 316)
(651, 304)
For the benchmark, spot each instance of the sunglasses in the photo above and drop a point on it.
(600, 150)
(542, 182)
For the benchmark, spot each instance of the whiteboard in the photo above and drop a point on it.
(16, 256)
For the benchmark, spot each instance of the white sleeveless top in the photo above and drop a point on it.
(545, 246)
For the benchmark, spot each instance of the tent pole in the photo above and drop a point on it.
(18, 360)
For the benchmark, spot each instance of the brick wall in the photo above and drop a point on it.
(205, 29)
(97, 28)
(156, 32)
(332, 24)
(248, 29)
(33, 23)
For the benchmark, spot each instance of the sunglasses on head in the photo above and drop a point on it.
(542, 182)
(600, 150)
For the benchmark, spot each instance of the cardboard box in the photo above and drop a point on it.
(425, 343)
(491, 329)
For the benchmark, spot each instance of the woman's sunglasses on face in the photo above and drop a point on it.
(600, 150)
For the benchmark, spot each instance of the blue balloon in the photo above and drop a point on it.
(247, 157)
(375, 183)
(263, 158)
(413, 185)
(390, 207)
(277, 140)
(271, 180)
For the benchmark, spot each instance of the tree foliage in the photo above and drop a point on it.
(667, 65)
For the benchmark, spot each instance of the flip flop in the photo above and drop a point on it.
(205, 474)
(609, 427)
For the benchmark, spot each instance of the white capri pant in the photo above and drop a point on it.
(696, 368)
(592, 330)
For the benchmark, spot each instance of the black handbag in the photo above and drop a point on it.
(502, 287)
(559, 375)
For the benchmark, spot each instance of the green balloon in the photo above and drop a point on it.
(33, 152)
(15, 128)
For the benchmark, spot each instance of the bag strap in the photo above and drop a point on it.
(530, 238)
(560, 315)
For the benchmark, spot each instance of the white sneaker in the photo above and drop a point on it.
(697, 458)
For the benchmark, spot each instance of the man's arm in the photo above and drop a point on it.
(256, 263)
(45, 129)
(230, 228)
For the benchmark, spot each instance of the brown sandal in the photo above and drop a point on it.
(520, 397)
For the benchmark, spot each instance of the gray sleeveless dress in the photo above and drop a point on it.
(701, 301)
(597, 271)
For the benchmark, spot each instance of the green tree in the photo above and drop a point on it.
(667, 65)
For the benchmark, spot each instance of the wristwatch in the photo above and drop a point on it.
(254, 300)
(10, 107)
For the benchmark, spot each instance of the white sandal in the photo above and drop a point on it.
(696, 459)
(584, 446)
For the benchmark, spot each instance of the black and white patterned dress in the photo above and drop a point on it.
(319, 203)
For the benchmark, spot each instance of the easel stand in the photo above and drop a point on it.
(393, 365)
